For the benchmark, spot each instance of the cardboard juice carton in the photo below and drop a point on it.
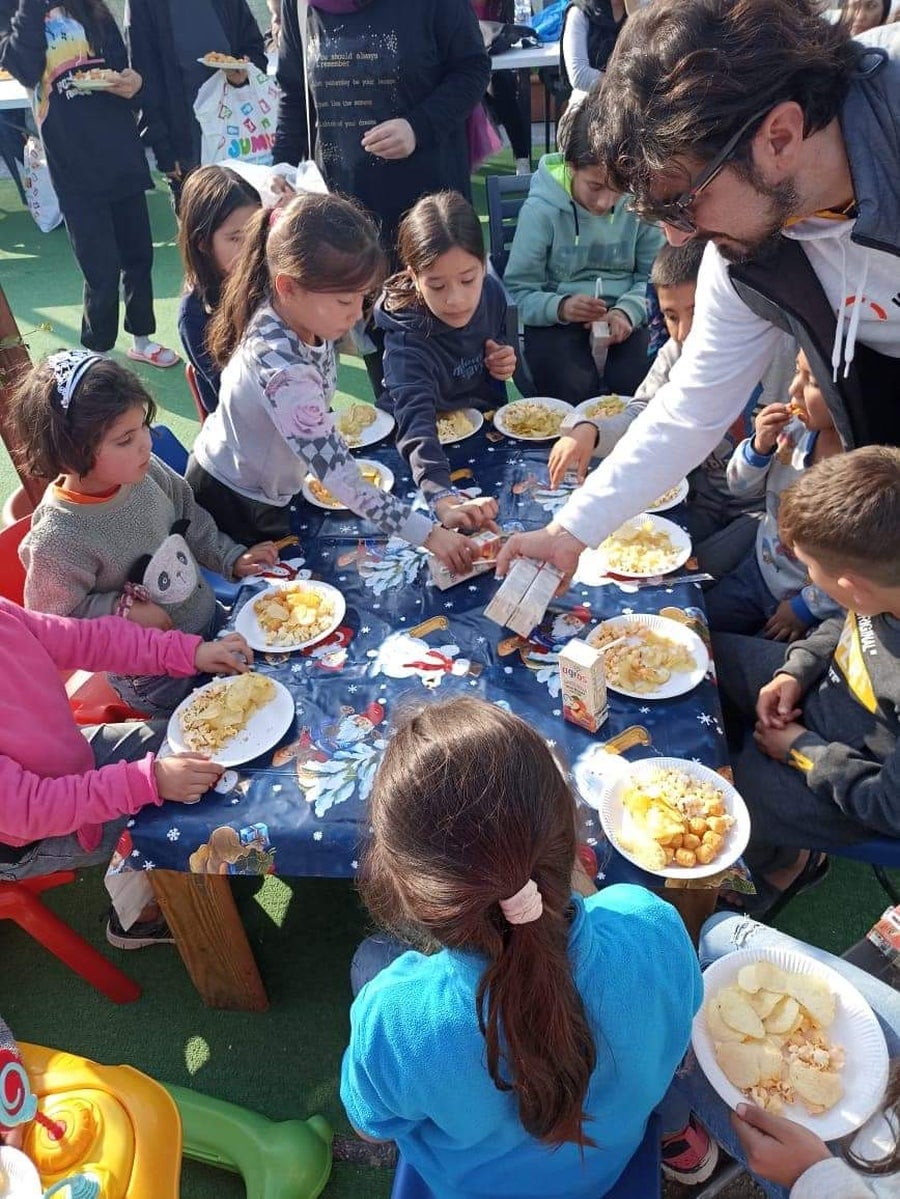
(487, 547)
(582, 676)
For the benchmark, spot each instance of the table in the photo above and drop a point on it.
(13, 95)
(543, 58)
(300, 810)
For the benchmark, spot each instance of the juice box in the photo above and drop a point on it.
(582, 677)
(486, 545)
(512, 590)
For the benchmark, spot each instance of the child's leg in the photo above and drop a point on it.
(89, 224)
(156, 696)
(743, 667)
(559, 358)
(627, 363)
(131, 222)
(740, 602)
(719, 553)
(247, 521)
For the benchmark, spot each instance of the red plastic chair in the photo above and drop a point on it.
(191, 375)
(20, 901)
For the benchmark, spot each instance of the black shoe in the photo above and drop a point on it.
(140, 935)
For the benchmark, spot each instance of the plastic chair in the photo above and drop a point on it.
(882, 854)
(21, 903)
(191, 376)
(505, 196)
(641, 1179)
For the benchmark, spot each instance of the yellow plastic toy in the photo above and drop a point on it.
(111, 1131)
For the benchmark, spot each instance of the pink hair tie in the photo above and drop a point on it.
(275, 214)
(525, 906)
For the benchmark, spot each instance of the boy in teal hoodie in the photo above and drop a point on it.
(573, 230)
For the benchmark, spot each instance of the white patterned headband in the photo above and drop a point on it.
(69, 368)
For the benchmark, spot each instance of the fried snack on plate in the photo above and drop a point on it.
(610, 405)
(666, 497)
(768, 1030)
(294, 613)
(351, 422)
(221, 711)
(675, 819)
(528, 418)
(452, 426)
(217, 56)
(644, 667)
(324, 496)
(639, 548)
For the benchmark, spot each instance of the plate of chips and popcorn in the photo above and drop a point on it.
(96, 79)
(232, 720)
(642, 548)
(671, 817)
(671, 498)
(669, 659)
(536, 419)
(373, 472)
(458, 424)
(290, 616)
(362, 424)
(780, 1029)
(216, 61)
(603, 407)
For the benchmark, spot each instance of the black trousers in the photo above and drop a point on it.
(510, 103)
(247, 521)
(559, 358)
(113, 246)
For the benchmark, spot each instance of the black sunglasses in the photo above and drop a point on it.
(677, 211)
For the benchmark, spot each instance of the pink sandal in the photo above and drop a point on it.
(154, 359)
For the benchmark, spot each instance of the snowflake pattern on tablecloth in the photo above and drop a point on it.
(395, 564)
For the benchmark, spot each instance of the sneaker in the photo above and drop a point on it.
(690, 1156)
(139, 936)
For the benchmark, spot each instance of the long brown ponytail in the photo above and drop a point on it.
(468, 805)
(325, 243)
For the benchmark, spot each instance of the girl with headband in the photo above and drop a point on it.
(564, 1018)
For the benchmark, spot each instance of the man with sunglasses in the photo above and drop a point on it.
(767, 132)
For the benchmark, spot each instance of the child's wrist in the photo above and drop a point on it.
(444, 493)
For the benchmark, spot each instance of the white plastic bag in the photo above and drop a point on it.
(237, 123)
(39, 190)
(304, 178)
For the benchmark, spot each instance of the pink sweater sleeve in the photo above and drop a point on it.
(113, 644)
(35, 807)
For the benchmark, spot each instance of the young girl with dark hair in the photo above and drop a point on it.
(297, 288)
(95, 157)
(573, 231)
(564, 1018)
(216, 204)
(118, 533)
(444, 321)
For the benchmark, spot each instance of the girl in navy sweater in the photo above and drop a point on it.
(444, 320)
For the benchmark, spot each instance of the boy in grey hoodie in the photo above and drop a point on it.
(823, 766)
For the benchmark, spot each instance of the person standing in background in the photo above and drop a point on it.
(96, 162)
(504, 98)
(165, 38)
(589, 32)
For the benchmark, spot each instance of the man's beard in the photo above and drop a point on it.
(783, 204)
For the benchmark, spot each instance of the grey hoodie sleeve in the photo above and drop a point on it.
(210, 546)
(807, 660)
(412, 384)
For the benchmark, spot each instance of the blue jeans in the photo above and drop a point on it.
(724, 933)
(740, 602)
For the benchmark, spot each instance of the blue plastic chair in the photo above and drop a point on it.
(169, 449)
(642, 1177)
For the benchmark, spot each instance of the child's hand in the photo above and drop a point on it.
(455, 512)
(784, 624)
(499, 360)
(777, 702)
(769, 423)
(228, 655)
(453, 550)
(572, 452)
(581, 310)
(264, 553)
(125, 83)
(777, 742)
(620, 326)
(184, 778)
(777, 1149)
(149, 615)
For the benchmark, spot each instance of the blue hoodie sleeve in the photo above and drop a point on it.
(412, 383)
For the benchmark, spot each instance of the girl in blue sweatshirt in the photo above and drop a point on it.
(444, 321)
(572, 231)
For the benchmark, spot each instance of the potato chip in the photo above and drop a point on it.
(530, 418)
(739, 1061)
(221, 711)
(785, 1016)
(294, 613)
(814, 995)
(820, 1088)
(737, 1013)
(762, 1002)
(643, 667)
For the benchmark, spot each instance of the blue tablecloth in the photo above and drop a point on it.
(301, 810)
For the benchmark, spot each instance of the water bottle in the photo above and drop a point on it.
(523, 14)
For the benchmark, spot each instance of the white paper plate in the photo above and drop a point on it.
(501, 417)
(678, 496)
(380, 427)
(386, 484)
(598, 563)
(92, 85)
(230, 64)
(605, 794)
(679, 682)
(19, 1178)
(264, 729)
(247, 624)
(855, 1028)
(586, 405)
(475, 417)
